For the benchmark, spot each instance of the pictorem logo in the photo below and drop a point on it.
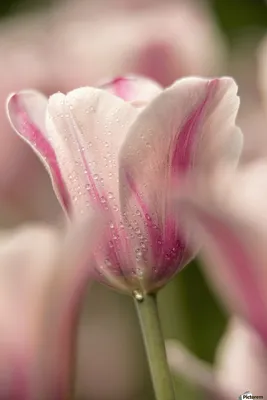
(248, 396)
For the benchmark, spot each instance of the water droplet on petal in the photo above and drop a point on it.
(107, 262)
(138, 253)
(138, 295)
(148, 217)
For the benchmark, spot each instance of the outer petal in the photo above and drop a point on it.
(135, 89)
(234, 231)
(189, 127)
(191, 124)
(26, 111)
(86, 129)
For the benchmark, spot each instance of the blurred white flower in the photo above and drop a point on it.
(240, 364)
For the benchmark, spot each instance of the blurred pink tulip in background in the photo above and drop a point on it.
(41, 291)
(75, 45)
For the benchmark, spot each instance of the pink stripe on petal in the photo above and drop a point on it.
(174, 251)
(153, 233)
(31, 133)
(19, 385)
(95, 196)
(168, 249)
(240, 266)
(186, 138)
(121, 87)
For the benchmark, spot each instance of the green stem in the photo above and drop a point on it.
(155, 348)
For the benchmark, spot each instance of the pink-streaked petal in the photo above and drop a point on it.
(26, 111)
(233, 257)
(135, 89)
(188, 127)
(190, 124)
(87, 127)
(160, 249)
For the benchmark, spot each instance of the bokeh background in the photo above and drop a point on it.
(111, 363)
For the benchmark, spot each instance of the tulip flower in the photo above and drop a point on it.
(240, 364)
(120, 150)
(44, 273)
(120, 153)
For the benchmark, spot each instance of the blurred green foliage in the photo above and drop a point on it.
(236, 15)
(232, 14)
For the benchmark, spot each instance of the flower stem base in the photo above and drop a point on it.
(155, 347)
